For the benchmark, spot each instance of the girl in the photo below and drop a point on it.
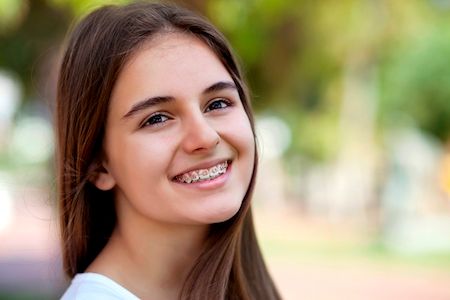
(156, 160)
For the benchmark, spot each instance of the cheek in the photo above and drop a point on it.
(138, 158)
(244, 135)
(239, 134)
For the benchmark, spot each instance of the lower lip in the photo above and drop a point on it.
(209, 184)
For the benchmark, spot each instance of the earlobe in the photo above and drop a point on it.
(102, 178)
(104, 181)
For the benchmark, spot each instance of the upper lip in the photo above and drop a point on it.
(203, 165)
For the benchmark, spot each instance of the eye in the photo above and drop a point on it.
(218, 104)
(155, 119)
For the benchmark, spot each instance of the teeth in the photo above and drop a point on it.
(186, 178)
(214, 171)
(203, 174)
(194, 176)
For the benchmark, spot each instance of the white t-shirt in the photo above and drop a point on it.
(88, 286)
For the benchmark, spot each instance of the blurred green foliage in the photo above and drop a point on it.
(11, 13)
(295, 54)
(24, 296)
(417, 83)
(26, 45)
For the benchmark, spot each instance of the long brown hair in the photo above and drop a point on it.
(231, 265)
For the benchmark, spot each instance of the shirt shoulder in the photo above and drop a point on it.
(96, 286)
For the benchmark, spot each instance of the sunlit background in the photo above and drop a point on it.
(353, 115)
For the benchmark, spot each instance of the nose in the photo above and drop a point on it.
(200, 136)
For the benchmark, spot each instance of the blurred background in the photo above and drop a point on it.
(352, 99)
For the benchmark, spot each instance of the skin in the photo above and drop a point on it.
(162, 224)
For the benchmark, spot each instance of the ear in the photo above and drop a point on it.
(101, 177)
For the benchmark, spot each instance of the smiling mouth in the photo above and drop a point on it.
(203, 174)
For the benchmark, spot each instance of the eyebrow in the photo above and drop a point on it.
(144, 104)
(152, 101)
(219, 86)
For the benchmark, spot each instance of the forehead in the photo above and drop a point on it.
(174, 64)
(171, 54)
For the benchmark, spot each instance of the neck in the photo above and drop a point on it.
(150, 259)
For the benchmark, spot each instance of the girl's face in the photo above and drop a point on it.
(178, 144)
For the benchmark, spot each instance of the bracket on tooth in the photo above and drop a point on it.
(204, 174)
(194, 177)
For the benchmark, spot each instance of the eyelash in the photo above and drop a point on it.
(148, 121)
(218, 100)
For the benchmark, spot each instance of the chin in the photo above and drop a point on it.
(223, 214)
